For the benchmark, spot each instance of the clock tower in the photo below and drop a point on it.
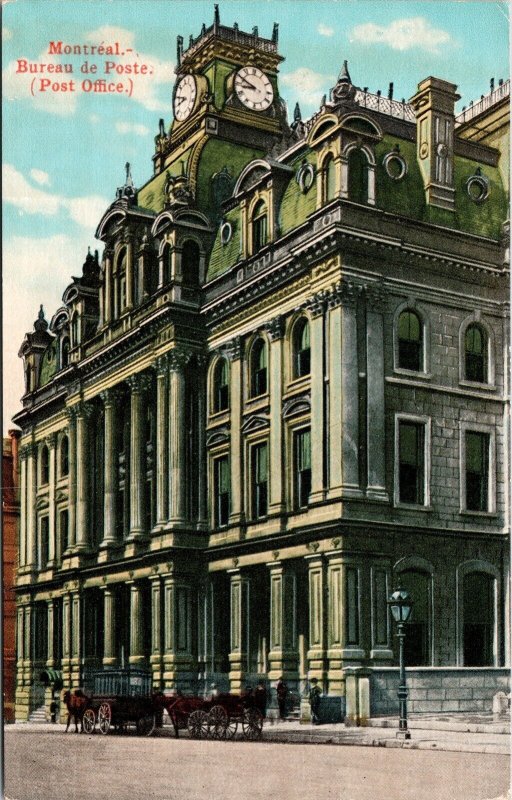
(227, 111)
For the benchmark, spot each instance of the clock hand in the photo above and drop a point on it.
(178, 100)
(251, 85)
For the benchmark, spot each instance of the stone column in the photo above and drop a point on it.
(177, 360)
(84, 414)
(375, 298)
(111, 399)
(316, 307)
(202, 512)
(155, 658)
(72, 453)
(343, 391)
(276, 331)
(138, 385)
(136, 622)
(234, 353)
(24, 506)
(108, 314)
(162, 416)
(129, 270)
(66, 639)
(51, 442)
(76, 638)
(31, 521)
(316, 652)
(283, 655)
(239, 611)
(178, 659)
(50, 655)
(109, 626)
(335, 608)
(28, 634)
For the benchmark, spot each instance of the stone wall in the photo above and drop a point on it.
(438, 690)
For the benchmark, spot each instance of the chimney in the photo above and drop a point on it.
(434, 105)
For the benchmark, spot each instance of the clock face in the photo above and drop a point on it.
(185, 97)
(253, 88)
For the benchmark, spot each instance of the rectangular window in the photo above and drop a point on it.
(477, 471)
(411, 462)
(259, 232)
(44, 542)
(259, 481)
(352, 605)
(302, 467)
(221, 491)
(63, 531)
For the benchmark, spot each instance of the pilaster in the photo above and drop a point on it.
(138, 385)
(316, 307)
(111, 399)
(275, 330)
(109, 626)
(31, 519)
(84, 413)
(234, 353)
(239, 612)
(316, 651)
(51, 442)
(283, 655)
(72, 455)
(156, 659)
(178, 660)
(136, 657)
(177, 360)
(375, 298)
(76, 638)
(162, 451)
(108, 286)
(50, 612)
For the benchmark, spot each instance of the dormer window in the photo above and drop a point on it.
(329, 180)
(190, 263)
(259, 227)
(357, 176)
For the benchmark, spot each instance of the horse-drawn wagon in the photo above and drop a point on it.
(218, 717)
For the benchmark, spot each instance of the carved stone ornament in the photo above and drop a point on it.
(275, 328)
(375, 296)
(233, 348)
(344, 293)
(178, 358)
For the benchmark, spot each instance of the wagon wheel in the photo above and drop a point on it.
(217, 722)
(197, 724)
(252, 723)
(146, 725)
(231, 728)
(89, 720)
(104, 717)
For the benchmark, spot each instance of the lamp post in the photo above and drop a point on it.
(401, 604)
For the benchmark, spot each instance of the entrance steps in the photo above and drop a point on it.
(38, 715)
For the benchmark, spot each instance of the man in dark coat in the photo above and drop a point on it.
(282, 694)
(260, 698)
(314, 701)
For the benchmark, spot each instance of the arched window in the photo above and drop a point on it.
(45, 465)
(121, 282)
(410, 341)
(64, 456)
(259, 226)
(358, 176)
(64, 352)
(166, 264)
(75, 329)
(475, 354)
(301, 349)
(329, 180)
(190, 263)
(220, 386)
(478, 611)
(417, 644)
(258, 368)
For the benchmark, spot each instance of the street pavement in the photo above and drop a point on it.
(43, 763)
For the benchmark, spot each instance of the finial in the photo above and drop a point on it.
(297, 116)
(216, 16)
(40, 324)
(255, 31)
(275, 32)
(390, 91)
(190, 40)
(41, 312)
(492, 84)
(161, 127)
(203, 29)
(179, 49)
(324, 100)
(344, 74)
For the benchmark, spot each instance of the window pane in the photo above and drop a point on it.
(475, 356)
(411, 462)
(358, 177)
(478, 615)
(409, 341)
(477, 471)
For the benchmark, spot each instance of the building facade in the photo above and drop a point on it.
(10, 523)
(281, 392)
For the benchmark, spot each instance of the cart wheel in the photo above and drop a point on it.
(197, 724)
(89, 720)
(104, 717)
(252, 723)
(231, 728)
(146, 725)
(217, 722)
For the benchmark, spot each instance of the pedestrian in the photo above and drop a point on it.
(260, 698)
(282, 694)
(214, 692)
(314, 701)
(53, 711)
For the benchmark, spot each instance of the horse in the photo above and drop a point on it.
(76, 704)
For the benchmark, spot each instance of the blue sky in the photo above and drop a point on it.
(64, 153)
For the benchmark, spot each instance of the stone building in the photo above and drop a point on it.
(10, 522)
(280, 392)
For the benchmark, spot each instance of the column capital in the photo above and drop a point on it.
(161, 365)
(108, 253)
(344, 293)
(50, 440)
(375, 296)
(233, 349)
(139, 383)
(72, 412)
(178, 358)
(316, 303)
(30, 449)
(111, 396)
(275, 328)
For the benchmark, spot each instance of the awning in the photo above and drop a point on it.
(51, 677)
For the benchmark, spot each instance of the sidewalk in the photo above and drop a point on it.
(449, 732)
(457, 733)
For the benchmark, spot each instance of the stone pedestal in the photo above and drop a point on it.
(357, 692)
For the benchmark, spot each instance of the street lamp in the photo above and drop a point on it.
(401, 604)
